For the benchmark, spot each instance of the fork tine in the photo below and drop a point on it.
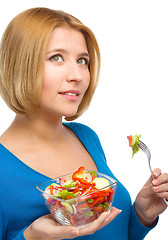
(144, 147)
(141, 144)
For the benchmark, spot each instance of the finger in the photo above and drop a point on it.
(64, 232)
(161, 179)
(163, 195)
(100, 222)
(160, 188)
(91, 228)
(113, 213)
(47, 228)
(58, 231)
(156, 172)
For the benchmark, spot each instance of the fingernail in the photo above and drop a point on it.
(155, 188)
(155, 174)
(155, 182)
(119, 211)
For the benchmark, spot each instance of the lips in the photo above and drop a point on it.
(71, 93)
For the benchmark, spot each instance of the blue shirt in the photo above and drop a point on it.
(21, 202)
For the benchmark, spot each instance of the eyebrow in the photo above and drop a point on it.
(57, 50)
(84, 54)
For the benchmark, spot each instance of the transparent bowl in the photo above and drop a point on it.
(83, 209)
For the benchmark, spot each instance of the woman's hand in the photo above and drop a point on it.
(46, 228)
(151, 200)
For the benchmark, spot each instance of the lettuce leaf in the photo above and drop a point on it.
(65, 193)
(135, 142)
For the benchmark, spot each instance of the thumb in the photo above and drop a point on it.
(146, 190)
(149, 182)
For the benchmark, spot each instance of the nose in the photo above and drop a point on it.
(74, 73)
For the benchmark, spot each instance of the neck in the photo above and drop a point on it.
(38, 128)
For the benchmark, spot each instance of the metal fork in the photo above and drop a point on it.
(146, 150)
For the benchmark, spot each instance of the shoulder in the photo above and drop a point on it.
(87, 136)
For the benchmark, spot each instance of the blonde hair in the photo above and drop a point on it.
(22, 51)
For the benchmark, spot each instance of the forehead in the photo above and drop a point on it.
(67, 38)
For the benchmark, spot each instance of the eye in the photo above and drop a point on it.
(82, 61)
(56, 58)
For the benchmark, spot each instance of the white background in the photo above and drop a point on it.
(132, 94)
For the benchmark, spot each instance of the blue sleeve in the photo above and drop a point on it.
(4, 225)
(136, 229)
(3, 222)
(20, 235)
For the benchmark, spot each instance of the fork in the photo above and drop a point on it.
(146, 150)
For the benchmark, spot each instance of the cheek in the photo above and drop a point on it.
(47, 77)
(51, 78)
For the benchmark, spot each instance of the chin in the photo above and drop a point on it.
(67, 111)
(70, 114)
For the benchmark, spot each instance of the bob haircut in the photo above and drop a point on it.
(23, 47)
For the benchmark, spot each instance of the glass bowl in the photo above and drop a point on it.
(85, 205)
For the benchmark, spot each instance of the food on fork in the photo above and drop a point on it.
(133, 143)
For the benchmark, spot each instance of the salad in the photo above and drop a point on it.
(81, 198)
(133, 142)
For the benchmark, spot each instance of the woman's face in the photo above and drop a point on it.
(66, 73)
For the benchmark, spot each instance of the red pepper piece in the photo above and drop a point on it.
(76, 176)
(69, 197)
(83, 181)
(83, 186)
(96, 201)
(109, 197)
(102, 193)
(109, 190)
(130, 140)
(49, 200)
(76, 190)
(79, 171)
(98, 209)
(51, 190)
(82, 205)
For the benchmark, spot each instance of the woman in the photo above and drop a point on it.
(49, 70)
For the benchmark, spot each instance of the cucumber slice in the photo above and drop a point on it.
(68, 207)
(101, 183)
(81, 175)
